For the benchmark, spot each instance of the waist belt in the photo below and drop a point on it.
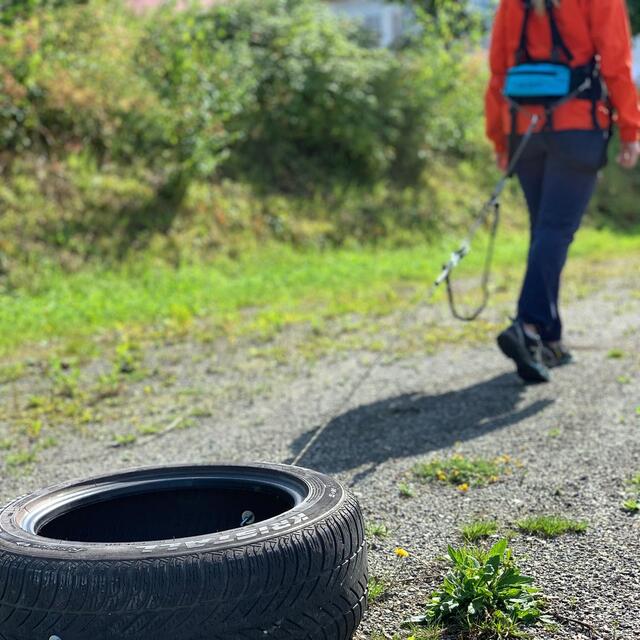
(547, 83)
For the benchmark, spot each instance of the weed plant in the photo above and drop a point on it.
(484, 595)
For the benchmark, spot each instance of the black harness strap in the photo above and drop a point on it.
(558, 43)
(522, 54)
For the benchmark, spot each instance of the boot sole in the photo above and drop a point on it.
(517, 352)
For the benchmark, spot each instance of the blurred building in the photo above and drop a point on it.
(636, 59)
(141, 5)
(387, 20)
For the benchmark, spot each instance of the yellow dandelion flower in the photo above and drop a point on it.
(401, 553)
(464, 487)
(441, 475)
(493, 479)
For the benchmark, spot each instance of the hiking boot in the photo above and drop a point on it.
(556, 355)
(526, 351)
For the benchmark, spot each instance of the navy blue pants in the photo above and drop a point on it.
(558, 173)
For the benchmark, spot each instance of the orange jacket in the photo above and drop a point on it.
(589, 28)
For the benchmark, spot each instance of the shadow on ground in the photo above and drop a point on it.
(415, 424)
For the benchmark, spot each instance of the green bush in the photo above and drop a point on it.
(187, 129)
(285, 95)
(112, 125)
(616, 200)
(11, 10)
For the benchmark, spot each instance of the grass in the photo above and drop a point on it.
(259, 293)
(550, 526)
(463, 472)
(377, 530)
(377, 587)
(150, 429)
(20, 459)
(11, 372)
(405, 490)
(631, 504)
(478, 530)
(432, 633)
(124, 440)
(415, 633)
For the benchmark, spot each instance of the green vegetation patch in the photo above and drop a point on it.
(463, 472)
(11, 372)
(258, 293)
(20, 459)
(479, 529)
(376, 588)
(405, 490)
(377, 530)
(124, 440)
(431, 633)
(551, 526)
(484, 595)
(631, 503)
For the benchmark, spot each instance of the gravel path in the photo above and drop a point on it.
(573, 444)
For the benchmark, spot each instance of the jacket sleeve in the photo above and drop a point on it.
(612, 38)
(494, 100)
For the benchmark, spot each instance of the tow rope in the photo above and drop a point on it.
(492, 206)
(491, 209)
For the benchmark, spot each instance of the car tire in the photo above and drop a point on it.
(220, 552)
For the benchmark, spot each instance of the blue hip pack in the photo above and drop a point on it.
(538, 82)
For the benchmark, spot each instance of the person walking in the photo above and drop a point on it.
(569, 63)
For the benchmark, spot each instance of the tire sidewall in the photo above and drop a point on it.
(325, 496)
